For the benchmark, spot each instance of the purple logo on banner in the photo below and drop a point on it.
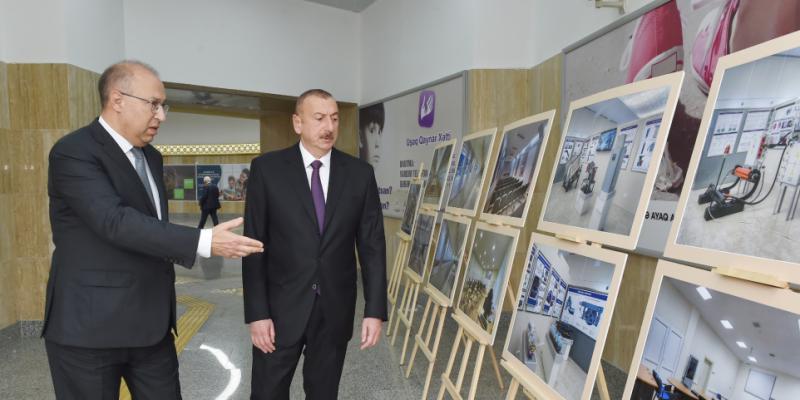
(427, 102)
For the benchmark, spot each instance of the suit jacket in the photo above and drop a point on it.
(210, 199)
(111, 278)
(279, 211)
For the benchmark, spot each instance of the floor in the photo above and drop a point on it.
(756, 231)
(373, 374)
(561, 209)
(570, 373)
(215, 362)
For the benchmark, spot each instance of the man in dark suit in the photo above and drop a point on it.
(313, 207)
(209, 203)
(110, 303)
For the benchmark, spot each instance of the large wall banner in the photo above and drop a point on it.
(689, 35)
(397, 134)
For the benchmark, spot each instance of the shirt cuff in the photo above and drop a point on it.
(204, 244)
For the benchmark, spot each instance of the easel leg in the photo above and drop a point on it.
(512, 389)
(477, 373)
(496, 368)
(464, 361)
(422, 325)
(601, 384)
(410, 320)
(451, 361)
(401, 310)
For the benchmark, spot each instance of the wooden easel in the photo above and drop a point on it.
(529, 390)
(408, 306)
(436, 308)
(395, 278)
(470, 338)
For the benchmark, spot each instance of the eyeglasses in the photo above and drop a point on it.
(154, 104)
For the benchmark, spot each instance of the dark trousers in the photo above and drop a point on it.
(322, 364)
(204, 216)
(87, 374)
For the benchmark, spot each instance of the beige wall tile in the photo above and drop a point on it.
(84, 100)
(8, 294)
(6, 162)
(4, 117)
(31, 237)
(38, 96)
(32, 281)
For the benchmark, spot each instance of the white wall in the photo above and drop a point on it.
(672, 308)
(416, 41)
(704, 343)
(184, 128)
(85, 33)
(273, 46)
(786, 387)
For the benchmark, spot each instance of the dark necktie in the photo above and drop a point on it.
(318, 195)
(141, 170)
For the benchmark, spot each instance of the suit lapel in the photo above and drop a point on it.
(299, 182)
(124, 164)
(336, 183)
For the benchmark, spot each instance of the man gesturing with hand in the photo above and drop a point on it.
(313, 207)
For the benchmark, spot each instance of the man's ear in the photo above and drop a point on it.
(115, 99)
(297, 123)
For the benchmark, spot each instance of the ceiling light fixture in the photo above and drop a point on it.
(741, 344)
(726, 324)
(752, 359)
(703, 293)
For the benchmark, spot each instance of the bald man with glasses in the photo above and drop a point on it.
(110, 310)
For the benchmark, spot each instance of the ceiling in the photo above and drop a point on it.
(633, 106)
(350, 5)
(778, 334)
(237, 103)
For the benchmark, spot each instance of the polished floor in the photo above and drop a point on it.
(215, 362)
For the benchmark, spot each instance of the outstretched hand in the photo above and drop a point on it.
(230, 245)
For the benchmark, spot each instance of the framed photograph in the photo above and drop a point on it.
(559, 353)
(437, 176)
(420, 243)
(738, 210)
(710, 336)
(597, 200)
(446, 266)
(412, 205)
(470, 176)
(485, 280)
(628, 134)
(516, 170)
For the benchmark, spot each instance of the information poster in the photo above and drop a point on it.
(727, 123)
(398, 134)
(628, 133)
(646, 146)
(179, 182)
(721, 144)
(756, 121)
(537, 292)
(552, 293)
(583, 310)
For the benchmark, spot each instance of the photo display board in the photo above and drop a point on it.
(435, 187)
(470, 174)
(412, 206)
(420, 244)
(558, 354)
(486, 277)
(516, 169)
(713, 336)
(450, 246)
(740, 209)
(597, 200)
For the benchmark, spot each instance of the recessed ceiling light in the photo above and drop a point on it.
(704, 293)
(741, 344)
(726, 324)
(752, 359)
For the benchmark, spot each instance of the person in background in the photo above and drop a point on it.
(209, 203)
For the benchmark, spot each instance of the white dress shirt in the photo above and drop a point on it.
(324, 170)
(204, 245)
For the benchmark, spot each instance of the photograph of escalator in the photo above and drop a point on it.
(515, 171)
(446, 266)
(471, 171)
